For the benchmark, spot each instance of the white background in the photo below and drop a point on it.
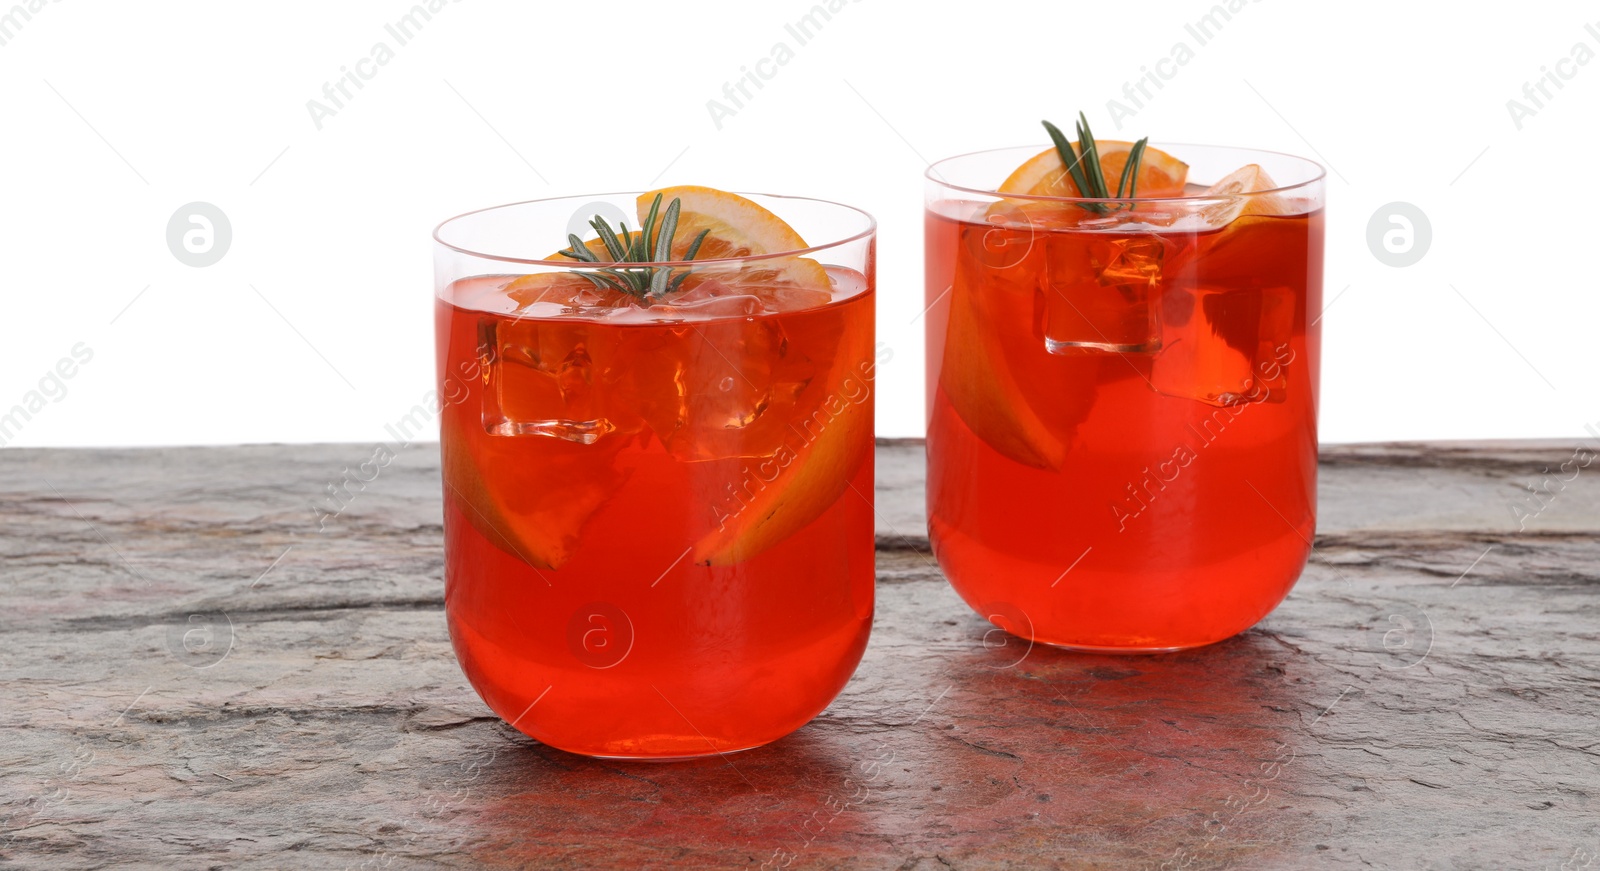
(316, 326)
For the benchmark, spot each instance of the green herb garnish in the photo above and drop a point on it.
(1084, 165)
(651, 244)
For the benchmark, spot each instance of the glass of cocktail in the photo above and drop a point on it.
(1122, 386)
(657, 448)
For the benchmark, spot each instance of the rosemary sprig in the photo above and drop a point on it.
(1084, 166)
(652, 244)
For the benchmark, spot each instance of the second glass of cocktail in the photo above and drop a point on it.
(657, 449)
(1122, 386)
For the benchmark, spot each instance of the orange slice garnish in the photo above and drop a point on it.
(817, 473)
(824, 473)
(538, 494)
(738, 228)
(1248, 179)
(1044, 175)
(975, 376)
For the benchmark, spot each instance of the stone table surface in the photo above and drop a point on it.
(1427, 696)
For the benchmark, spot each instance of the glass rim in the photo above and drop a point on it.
(1196, 199)
(870, 229)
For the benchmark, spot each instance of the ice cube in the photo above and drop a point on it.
(1196, 362)
(1245, 278)
(553, 294)
(1001, 261)
(727, 374)
(720, 388)
(1100, 292)
(539, 379)
(1135, 260)
(749, 292)
(707, 307)
(1223, 346)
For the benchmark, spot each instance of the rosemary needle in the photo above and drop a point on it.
(652, 244)
(1083, 164)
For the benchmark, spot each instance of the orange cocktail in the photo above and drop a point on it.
(1122, 395)
(658, 516)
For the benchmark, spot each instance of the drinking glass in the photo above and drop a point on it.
(1122, 399)
(658, 515)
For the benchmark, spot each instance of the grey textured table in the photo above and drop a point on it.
(196, 675)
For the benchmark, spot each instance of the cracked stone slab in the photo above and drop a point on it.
(203, 669)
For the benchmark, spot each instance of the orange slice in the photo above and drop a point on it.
(817, 474)
(1044, 175)
(981, 388)
(738, 228)
(543, 491)
(1248, 179)
(824, 472)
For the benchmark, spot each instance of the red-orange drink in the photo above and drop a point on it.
(1122, 408)
(658, 518)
